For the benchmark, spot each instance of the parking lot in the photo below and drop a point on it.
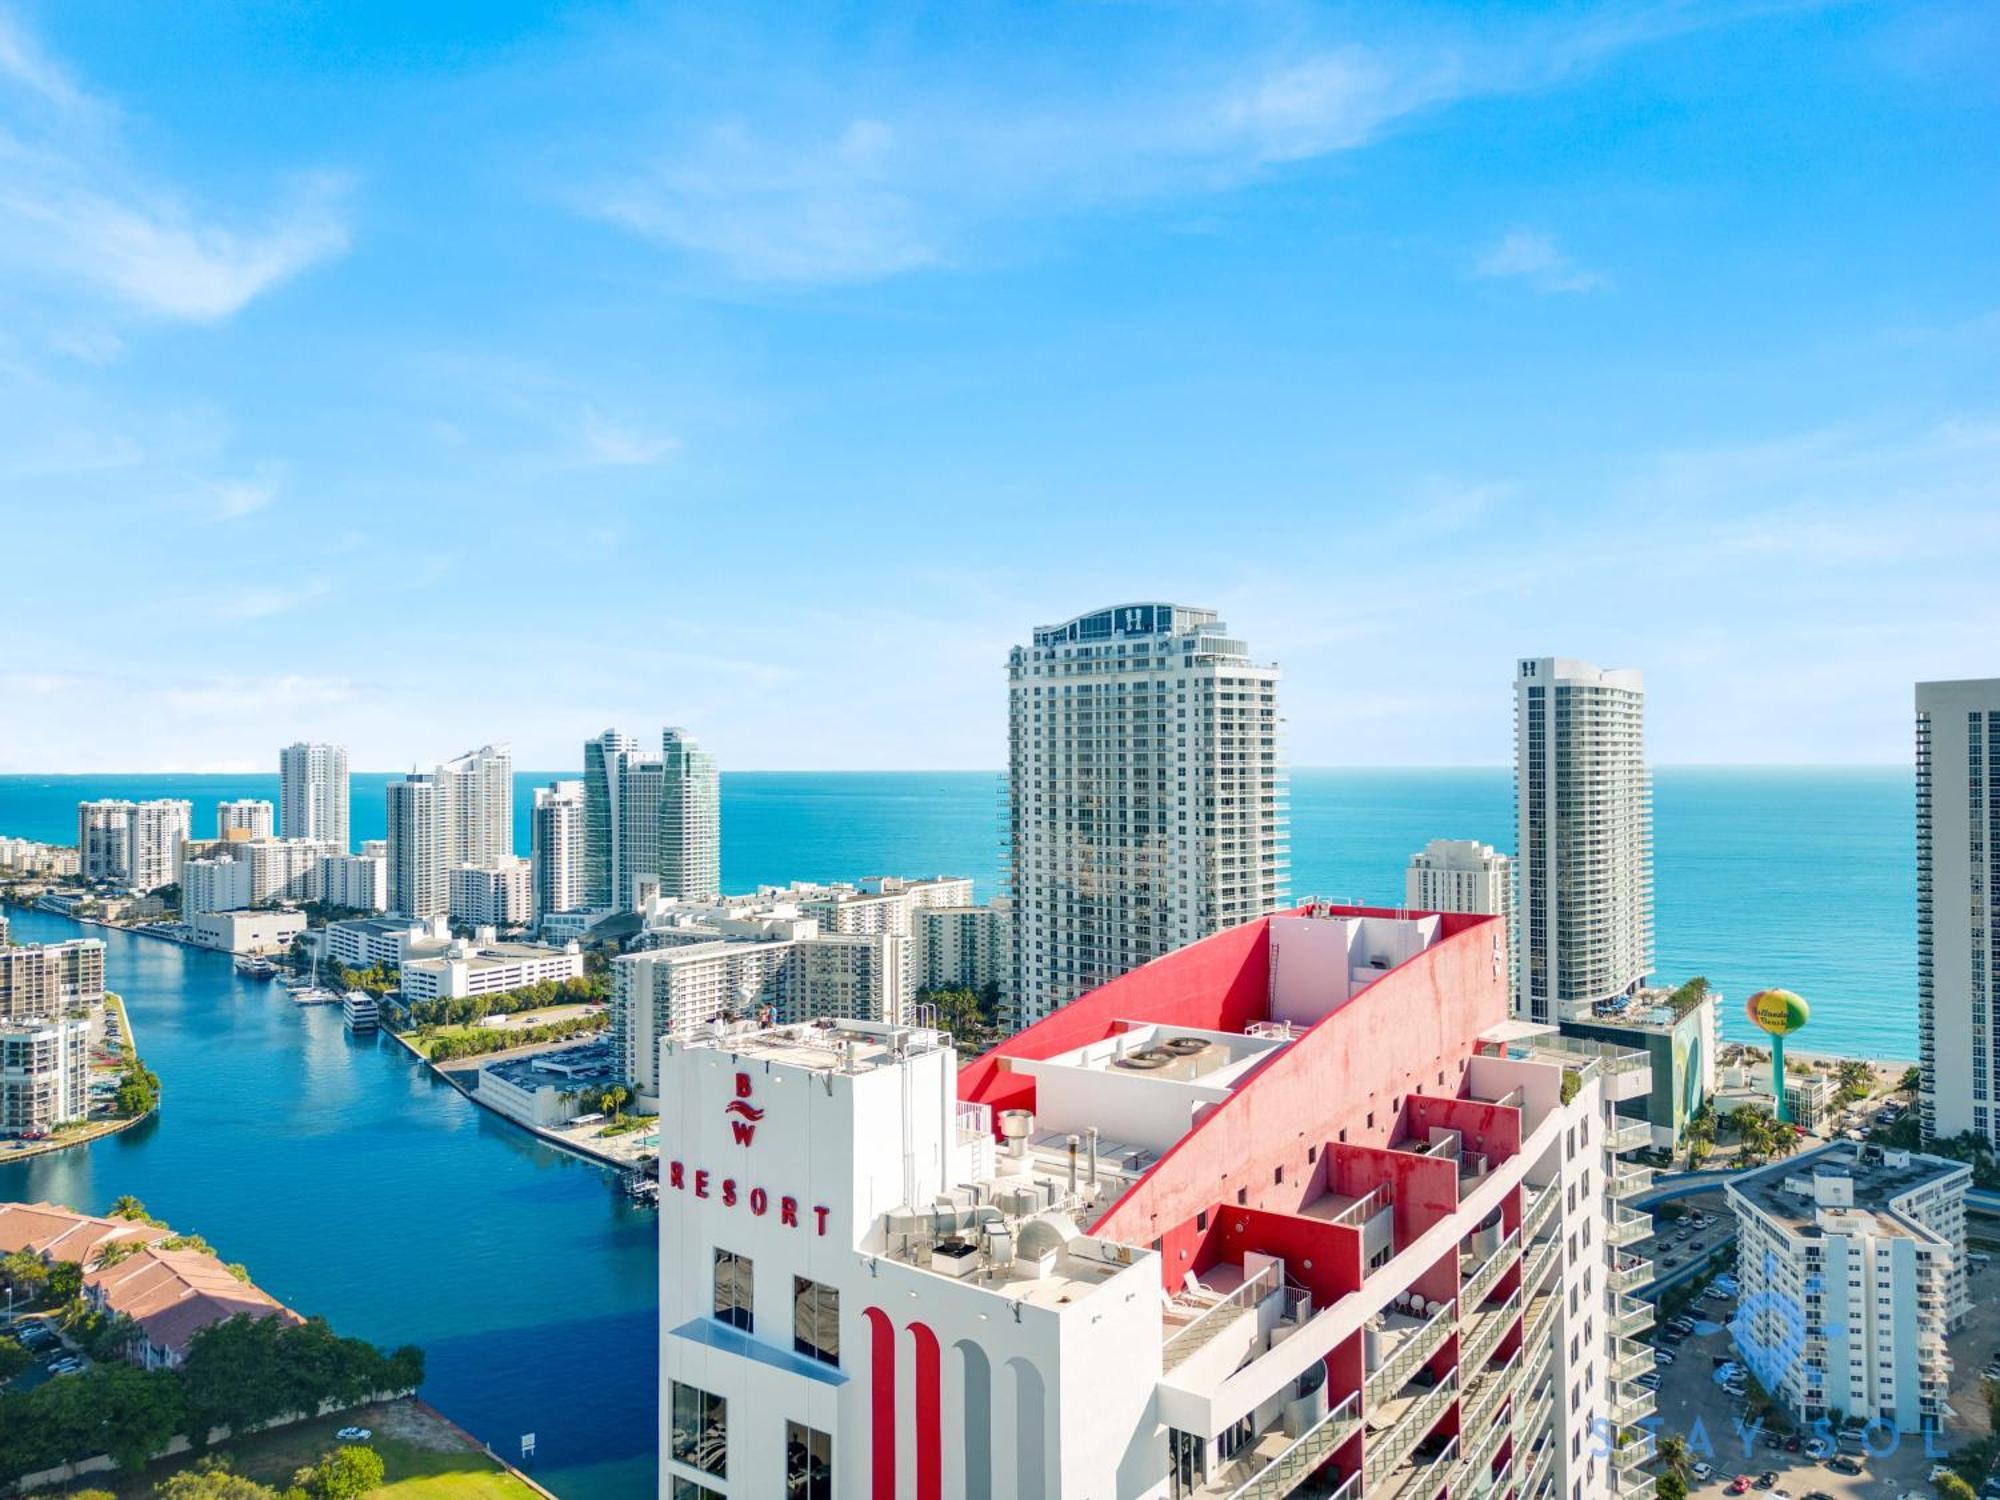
(1693, 1407)
(41, 1339)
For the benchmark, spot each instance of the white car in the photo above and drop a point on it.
(354, 1434)
(1663, 1356)
(1703, 1472)
(1818, 1448)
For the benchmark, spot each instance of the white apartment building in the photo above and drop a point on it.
(652, 821)
(418, 885)
(1461, 875)
(358, 882)
(1851, 1266)
(26, 857)
(250, 873)
(247, 931)
(44, 1075)
(1958, 906)
(477, 806)
(559, 849)
(313, 793)
(483, 965)
(1583, 804)
(137, 844)
(1147, 795)
(245, 818)
(690, 850)
(968, 946)
(39, 980)
(1230, 1225)
(498, 896)
(363, 942)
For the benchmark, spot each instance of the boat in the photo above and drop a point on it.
(256, 966)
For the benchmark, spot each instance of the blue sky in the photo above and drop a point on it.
(423, 375)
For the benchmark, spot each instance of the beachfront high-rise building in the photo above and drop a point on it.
(418, 884)
(245, 818)
(1462, 875)
(1583, 806)
(558, 842)
(690, 853)
(312, 793)
(1146, 795)
(477, 792)
(1958, 906)
(133, 843)
(602, 762)
(39, 980)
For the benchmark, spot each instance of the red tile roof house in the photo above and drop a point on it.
(169, 1295)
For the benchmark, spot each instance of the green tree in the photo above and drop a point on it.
(212, 1479)
(1673, 1452)
(13, 1358)
(1671, 1486)
(1950, 1487)
(341, 1474)
(26, 1273)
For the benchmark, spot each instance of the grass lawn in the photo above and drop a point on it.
(425, 1462)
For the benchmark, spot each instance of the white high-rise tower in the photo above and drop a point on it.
(1958, 906)
(419, 877)
(557, 825)
(312, 793)
(1146, 795)
(1583, 804)
(477, 790)
(1461, 875)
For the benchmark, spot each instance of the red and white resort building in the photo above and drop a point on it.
(1295, 1209)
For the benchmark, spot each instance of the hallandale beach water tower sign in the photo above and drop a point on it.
(1778, 1013)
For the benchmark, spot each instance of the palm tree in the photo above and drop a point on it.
(1672, 1451)
(128, 1207)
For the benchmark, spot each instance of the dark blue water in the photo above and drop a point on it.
(356, 1187)
(1799, 877)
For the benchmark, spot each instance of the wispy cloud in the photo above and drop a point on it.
(1532, 256)
(605, 443)
(76, 211)
(233, 499)
(263, 603)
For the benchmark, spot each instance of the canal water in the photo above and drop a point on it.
(356, 1187)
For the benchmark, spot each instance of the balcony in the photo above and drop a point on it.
(1629, 1226)
(1631, 1404)
(1480, 1282)
(1630, 1359)
(1481, 1336)
(1630, 1135)
(1411, 1353)
(1628, 1181)
(1537, 1476)
(1540, 1259)
(1630, 1317)
(1633, 1452)
(1539, 1210)
(1484, 1393)
(1475, 1470)
(1639, 1486)
(1425, 1473)
(1541, 1317)
(1394, 1441)
(1530, 1417)
(1213, 1319)
(1629, 1273)
(1276, 1464)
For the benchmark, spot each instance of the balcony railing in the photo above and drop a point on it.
(1629, 1135)
(1427, 1475)
(1478, 1463)
(1480, 1282)
(1487, 1391)
(1637, 1450)
(1288, 1469)
(1630, 1359)
(1529, 1418)
(1630, 1317)
(1411, 1355)
(1361, 1210)
(1628, 1225)
(1630, 1273)
(1629, 1181)
(1539, 1211)
(1541, 1316)
(1211, 1320)
(1631, 1404)
(1540, 1259)
(1388, 1449)
(1477, 1343)
(1637, 1486)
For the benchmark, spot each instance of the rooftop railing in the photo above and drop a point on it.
(1211, 1320)
(1361, 1210)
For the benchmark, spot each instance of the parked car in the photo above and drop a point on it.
(1703, 1471)
(1844, 1464)
(354, 1434)
(1650, 1380)
(1663, 1357)
(1818, 1448)
(1766, 1479)
(1739, 1485)
(1794, 1443)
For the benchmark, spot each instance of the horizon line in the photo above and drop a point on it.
(1681, 765)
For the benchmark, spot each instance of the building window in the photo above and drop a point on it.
(733, 1279)
(687, 1489)
(808, 1463)
(816, 1320)
(701, 1430)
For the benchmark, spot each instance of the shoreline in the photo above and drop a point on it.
(98, 1130)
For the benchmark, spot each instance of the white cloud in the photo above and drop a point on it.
(263, 603)
(75, 211)
(232, 499)
(608, 444)
(1532, 255)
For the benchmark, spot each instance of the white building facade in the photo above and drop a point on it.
(357, 882)
(418, 883)
(501, 895)
(1958, 906)
(1583, 803)
(968, 947)
(313, 793)
(690, 848)
(1851, 1267)
(137, 844)
(559, 849)
(1461, 875)
(482, 965)
(44, 1075)
(246, 818)
(1147, 795)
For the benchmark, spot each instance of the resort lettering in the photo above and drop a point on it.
(704, 1184)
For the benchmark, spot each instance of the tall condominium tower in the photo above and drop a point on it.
(133, 843)
(690, 858)
(245, 818)
(1958, 906)
(601, 815)
(477, 790)
(312, 793)
(1462, 875)
(1146, 795)
(1583, 805)
(419, 880)
(557, 827)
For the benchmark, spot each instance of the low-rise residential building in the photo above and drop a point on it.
(497, 895)
(482, 965)
(39, 980)
(168, 1295)
(1679, 1031)
(262, 930)
(355, 882)
(968, 947)
(1850, 1262)
(44, 1075)
(27, 857)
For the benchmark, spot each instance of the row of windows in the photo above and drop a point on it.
(815, 1307)
(701, 1441)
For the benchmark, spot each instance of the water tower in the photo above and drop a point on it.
(1778, 1013)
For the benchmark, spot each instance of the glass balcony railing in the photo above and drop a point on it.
(1480, 1282)
(1479, 1339)
(1629, 1181)
(1635, 1451)
(1630, 1135)
(1388, 1449)
(1629, 1226)
(1630, 1317)
(1289, 1468)
(1539, 1210)
(1427, 1473)
(1631, 1404)
(1630, 1273)
(1539, 1260)
(1486, 1392)
(1629, 1359)
(1211, 1320)
(1411, 1355)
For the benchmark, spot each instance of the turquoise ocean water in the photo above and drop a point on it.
(357, 1187)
